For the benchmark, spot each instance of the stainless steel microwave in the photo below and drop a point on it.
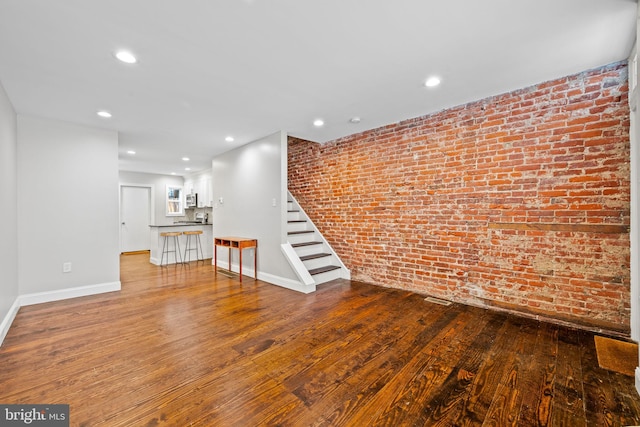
(192, 200)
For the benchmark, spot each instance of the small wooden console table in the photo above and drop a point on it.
(239, 243)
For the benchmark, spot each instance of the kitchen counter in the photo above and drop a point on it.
(206, 238)
(186, 224)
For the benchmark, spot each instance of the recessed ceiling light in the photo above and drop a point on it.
(432, 82)
(229, 139)
(186, 159)
(173, 173)
(354, 120)
(187, 169)
(131, 152)
(104, 114)
(126, 57)
(318, 123)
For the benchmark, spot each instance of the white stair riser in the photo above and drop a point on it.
(313, 249)
(297, 226)
(301, 238)
(328, 276)
(318, 262)
(309, 250)
(291, 216)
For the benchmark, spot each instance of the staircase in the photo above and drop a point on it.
(320, 261)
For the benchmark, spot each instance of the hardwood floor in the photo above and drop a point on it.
(178, 347)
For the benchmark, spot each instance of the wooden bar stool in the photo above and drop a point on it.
(176, 246)
(196, 242)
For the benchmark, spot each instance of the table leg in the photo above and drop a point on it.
(255, 260)
(215, 258)
(240, 251)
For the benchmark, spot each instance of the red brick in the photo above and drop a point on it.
(408, 205)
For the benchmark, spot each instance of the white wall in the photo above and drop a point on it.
(9, 211)
(248, 179)
(67, 206)
(634, 135)
(159, 184)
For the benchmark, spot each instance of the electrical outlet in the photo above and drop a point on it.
(66, 267)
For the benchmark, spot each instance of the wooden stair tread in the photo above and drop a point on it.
(301, 232)
(296, 220)
(314, 256)
(324, 269)
(298, 245)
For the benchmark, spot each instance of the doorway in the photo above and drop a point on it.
(135, 218)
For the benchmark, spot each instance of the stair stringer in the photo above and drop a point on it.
(342, 273)
(298, 266)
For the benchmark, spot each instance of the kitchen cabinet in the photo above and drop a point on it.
(188, 186)
(206, 191)
(200, 184)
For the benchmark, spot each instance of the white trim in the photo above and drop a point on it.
(287, 283)
(634, 235)
(81, 291)
(637, 379)
(151, 201)
(8, 319)
(297, 265)
(235, 269)
(345, 273)
(50, 296)
(272, 279)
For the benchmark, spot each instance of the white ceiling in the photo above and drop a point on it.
(248, 68)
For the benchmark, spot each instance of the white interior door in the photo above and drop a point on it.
(135, 208)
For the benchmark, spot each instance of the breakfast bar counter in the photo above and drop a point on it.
(156, 239)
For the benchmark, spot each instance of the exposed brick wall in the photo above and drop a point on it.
(412, 205)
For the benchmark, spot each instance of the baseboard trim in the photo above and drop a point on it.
(272, 279)
(50, 296)
(8, 319)
(80, 291)
(283, 282)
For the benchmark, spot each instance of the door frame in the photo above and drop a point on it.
(152, 211)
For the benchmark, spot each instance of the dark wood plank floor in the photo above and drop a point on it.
(178, 347)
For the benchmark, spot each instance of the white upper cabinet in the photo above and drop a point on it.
(205, 196)
(188, 185)
(200, 183)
